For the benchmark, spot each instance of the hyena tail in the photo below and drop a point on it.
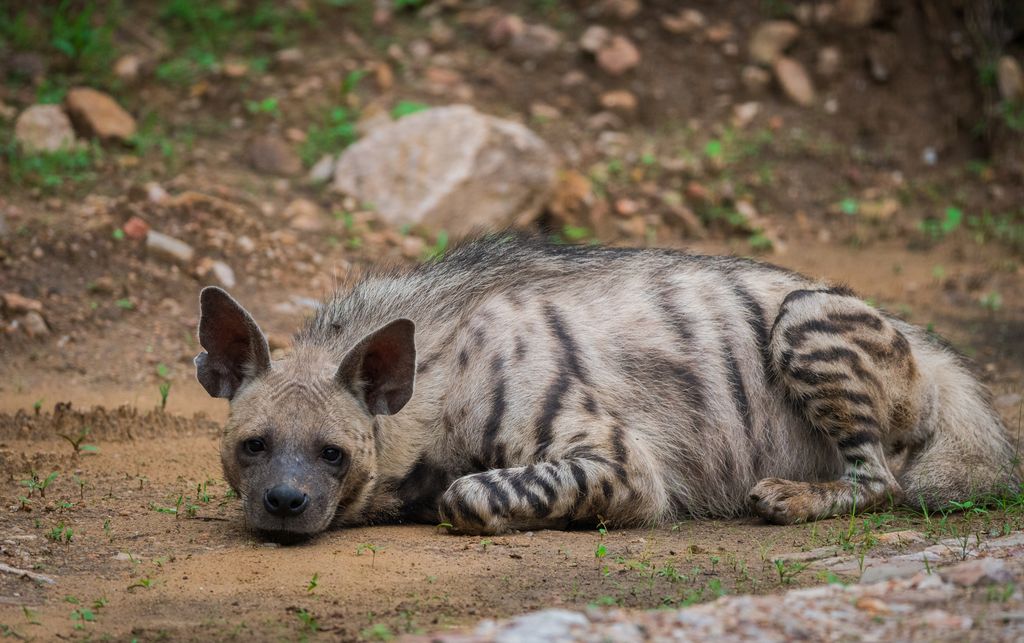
(967, 453)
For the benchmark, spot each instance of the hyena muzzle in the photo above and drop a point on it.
(520, 385)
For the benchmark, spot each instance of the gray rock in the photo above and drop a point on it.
(618, 56)
(889, 570)
(755, 79)
(452, 168)
(43, 128)
(169, 248)
(771, 39)
(322, 170)
(549, 625)
(980, 571)
(223, 273)
(594, 38)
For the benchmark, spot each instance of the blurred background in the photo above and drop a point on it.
(150, 148)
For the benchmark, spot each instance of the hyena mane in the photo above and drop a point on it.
(534, 385)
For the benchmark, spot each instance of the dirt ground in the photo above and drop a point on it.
(905, 185)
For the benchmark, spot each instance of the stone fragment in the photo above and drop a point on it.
(169, 248)
(34, 324)
(978, 572)
(1010, 79)
(619, 100)
(15, 303)
(595, 38)
(534, 42)
(452, 168)
(771, 39)
(686, 21)
(618, 56)
(43, 128)
(135, 228)
(127, 67)
(95, 113)
(795, 82)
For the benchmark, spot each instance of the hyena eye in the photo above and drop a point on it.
(331, 454)
(254, 446)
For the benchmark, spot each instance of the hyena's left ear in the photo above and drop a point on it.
(381, 368)
(235, 346)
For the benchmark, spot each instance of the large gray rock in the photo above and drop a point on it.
(43, 128)
(450, 168)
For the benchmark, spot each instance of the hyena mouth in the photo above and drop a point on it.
(284, 537)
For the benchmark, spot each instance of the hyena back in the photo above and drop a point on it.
(520, 385)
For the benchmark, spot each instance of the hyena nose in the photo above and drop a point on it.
(285, 501)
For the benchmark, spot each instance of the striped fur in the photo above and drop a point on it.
(559, 386)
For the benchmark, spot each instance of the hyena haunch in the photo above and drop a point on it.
(520, 385)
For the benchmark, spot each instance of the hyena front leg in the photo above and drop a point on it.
(852, 375)
(549, 495)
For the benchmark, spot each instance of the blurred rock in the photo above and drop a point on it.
(17, 304)
(687, 21)
(270, 154)
(619, 9)
(618, 56)
(450, 168)
(34, 324)
(97, 114)
(619, 100)
(135, 228)
(856, 13)
(544, 112)
(221, 272)
(290, 56)
(829, 60)
(978, 572)
(884, 56)
(305, 215)
(384, 77)
(43, 128)
(794, 81)
(440, 33)
(744, 113)
(771, 39)
(169, 248)
(534, 42)
(1010, 79)
(322, 170)
(594, 38)
(127, 67)
(502, 30)
(755, 79)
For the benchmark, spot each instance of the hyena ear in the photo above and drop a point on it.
(235, 346)
(381, 368)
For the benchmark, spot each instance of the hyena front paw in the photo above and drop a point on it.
(468, 507)
(785, 502)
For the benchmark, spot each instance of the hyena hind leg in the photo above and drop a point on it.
(852, 375)
(549, 495)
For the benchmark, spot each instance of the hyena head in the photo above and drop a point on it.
(299, 445)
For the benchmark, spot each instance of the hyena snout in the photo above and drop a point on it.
(285, 501)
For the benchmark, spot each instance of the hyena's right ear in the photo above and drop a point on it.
(235, 346)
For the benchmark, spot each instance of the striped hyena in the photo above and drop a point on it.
(520, 385)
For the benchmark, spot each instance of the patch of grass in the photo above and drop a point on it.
(61, 534)
(335, 132)
(77, 442)
(937, 229)
(267, 106)
(407, 107)
(79, 32)
(51, 170)
(370, 547)
(35, 483)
